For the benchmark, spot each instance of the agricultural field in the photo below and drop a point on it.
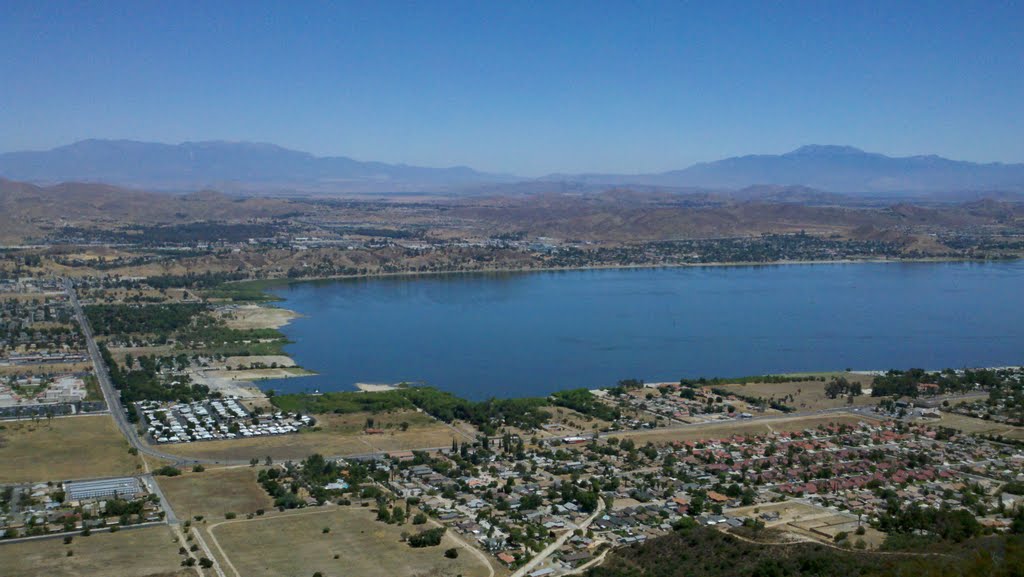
(740, 427)
(806, 395)
(972, 425)
(146, 552)
(334, 435)
(214, 492)
(354, 544)
(64, 448)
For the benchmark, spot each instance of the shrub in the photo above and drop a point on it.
(452, 553)
(428, 538)
(168, 471)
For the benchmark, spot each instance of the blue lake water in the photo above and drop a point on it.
(507, 335)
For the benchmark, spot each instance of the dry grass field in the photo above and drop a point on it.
(258, 317)
(120, 353)
(47, 369)
(972, 425)
(215, 492)
(807, 395)
(364, 547)
(148, 552)
(337, 435)
(64, 448)
(740, 427)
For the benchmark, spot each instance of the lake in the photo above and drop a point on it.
(521, 334)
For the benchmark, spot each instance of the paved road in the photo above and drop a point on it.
(110, 395)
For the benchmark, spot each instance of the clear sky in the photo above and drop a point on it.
(523, 87)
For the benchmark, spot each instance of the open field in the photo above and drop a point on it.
(215, 492)
(740, 427)
(567, 422)
(258, 317)
(335, 435)
(972, 425)
(120, 353)
(281, 361)
(254, 547)
(64, 448)
(149, 552)
(45, 369)
(806, 395)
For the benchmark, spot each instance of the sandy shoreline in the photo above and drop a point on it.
(375, 387)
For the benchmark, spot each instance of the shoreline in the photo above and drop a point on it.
(265, 284)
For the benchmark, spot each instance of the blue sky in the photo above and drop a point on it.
(522, 87)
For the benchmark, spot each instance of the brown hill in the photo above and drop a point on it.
(26, 209)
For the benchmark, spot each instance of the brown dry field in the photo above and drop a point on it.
(120, 353)
(258, 317)
(148, 552)
(338, 435)
(740, 427)
(364, 547)
(565, 422)
(807, 395)
(49, 369)
(215, 492)
(64, 448)
(972, 425)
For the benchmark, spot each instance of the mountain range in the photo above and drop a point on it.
(256, 167)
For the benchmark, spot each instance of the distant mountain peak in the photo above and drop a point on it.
(826, 150)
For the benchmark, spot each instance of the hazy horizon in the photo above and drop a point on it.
(569, 87)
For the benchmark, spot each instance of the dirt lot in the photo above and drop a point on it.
(64, 448)
(806, 395)
(740, 427)
(280, 360)
(364, 547)
(978, 426)
(337, 435)
(149, 552)
(811, 521)
(215, 492)
(259, 374)
(258, 317)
